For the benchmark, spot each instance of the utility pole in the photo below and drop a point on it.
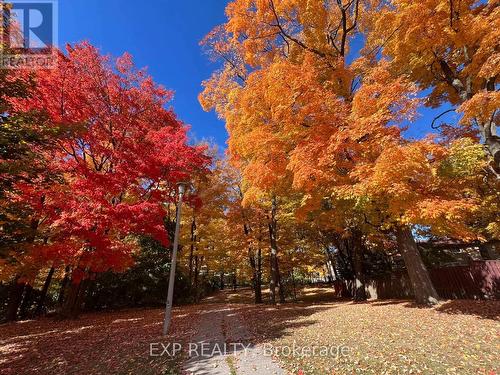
(170, 294)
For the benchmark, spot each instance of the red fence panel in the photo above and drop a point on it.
(478, 280)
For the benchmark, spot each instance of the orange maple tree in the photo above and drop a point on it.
(304, 115)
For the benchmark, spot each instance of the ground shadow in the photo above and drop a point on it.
(119, 341)
(104, 342)
(390, 302)
(482, 309)
(268, 322)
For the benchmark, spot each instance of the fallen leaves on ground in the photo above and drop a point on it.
(383, 337)
(96, 343)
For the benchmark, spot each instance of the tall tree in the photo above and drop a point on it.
(448, 47)
(118, 166)
(298, 115)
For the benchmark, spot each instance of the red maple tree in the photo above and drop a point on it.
(118, 164)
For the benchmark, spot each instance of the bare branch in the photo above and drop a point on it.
(438, 116)
(291, 38)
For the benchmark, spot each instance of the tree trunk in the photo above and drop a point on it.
(272, 281)
(425, 293)
(492, 143)
(255, 265)
(330, 265)
(196, 272)
(359, 292)
(488, 251)
(258, 282)
(17, 291)
(275, 273)
(26, 304)
(344, 267)
(487, 128)
(90, 298)
(198, 262)
(328, 273)
(274, 250)
(294, 286)
(15, 298)
(43, 294)
(68, 309)
(279, 282)
(222, 280)
(73, 303)
(191, 250)
(62, 288)
(84, 285)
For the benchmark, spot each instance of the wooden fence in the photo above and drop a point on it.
(478, 280)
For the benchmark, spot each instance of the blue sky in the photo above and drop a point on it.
(164, 36)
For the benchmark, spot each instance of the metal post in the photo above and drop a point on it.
(168, 308)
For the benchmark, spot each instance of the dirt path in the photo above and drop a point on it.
(224, 346)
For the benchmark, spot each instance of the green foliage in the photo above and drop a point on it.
(144, 284)
(466, 159)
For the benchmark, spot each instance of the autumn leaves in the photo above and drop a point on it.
(103, 178)
(317, 95)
